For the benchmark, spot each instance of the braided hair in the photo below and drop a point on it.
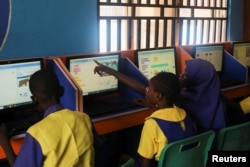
(168, 85)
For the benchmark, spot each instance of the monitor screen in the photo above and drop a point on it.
(15, 75)
(241, 51)
(212, 53)
(153, 61)
(82, 70)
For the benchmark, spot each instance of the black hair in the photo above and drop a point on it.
(45, 82)
(168, 85)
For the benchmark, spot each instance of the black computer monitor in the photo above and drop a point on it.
(14, 85)
(82, 70)
(241, 51)
(153, 61)
(210, 52)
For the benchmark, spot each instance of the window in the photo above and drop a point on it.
(140, 24)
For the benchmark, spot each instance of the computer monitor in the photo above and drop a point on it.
(14, 85)
(82, 70)
(241, 51)
(210, 52)
(153, 61)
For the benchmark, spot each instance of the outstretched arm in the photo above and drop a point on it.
(134, 84)
(5, 143)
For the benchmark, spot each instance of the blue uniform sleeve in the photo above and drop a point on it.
(30, 154)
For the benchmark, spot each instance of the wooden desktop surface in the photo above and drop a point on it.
(105, 126)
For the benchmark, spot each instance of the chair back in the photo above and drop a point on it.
(234, 138)
(191, 151)
(129, 163)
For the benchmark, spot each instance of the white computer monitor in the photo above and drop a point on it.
(153, 61)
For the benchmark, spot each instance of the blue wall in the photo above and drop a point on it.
(235, 14)
(64, 27)
(51, 28)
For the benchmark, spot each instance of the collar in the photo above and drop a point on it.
(52, 109)
(174, 114)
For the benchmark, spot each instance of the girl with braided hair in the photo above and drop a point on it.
(167, 123)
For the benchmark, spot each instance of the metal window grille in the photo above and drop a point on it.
(138, 24)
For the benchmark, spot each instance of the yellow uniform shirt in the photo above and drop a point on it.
(153, 139)
(66, 139)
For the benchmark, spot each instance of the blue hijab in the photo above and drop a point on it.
(202, 97)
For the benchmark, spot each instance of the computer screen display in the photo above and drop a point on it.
(153, 61)
(241, 51)
(212, 53)
(14, 85)
(82, 70)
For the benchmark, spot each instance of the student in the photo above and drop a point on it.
(61, 138)
(168, 123)
(201, 96)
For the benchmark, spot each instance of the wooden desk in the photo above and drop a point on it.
(119, 122)
(236, 92)
(16, 144)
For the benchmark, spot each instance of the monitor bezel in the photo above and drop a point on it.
(93, 55)
(136, 58)
(214, 44)
(29, 104)
(238, 42)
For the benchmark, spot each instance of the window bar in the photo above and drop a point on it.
(219, 30)
(202, 3)
(215, 25)
(129, 34)
(195, 31)
(202, 30)
(165, 2)
(119, 22)
(108, 34)
(165, 29)
(180, 31)
(195, 3)
(147, 38)
(225, 33)
(188, 31)
(221, 27)
(180, 3)
(156, 44)
(173, 32)
(138, 33)
(208, 31)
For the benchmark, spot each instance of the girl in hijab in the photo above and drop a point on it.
(201, 96)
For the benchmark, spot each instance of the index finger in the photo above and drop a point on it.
(97, 62)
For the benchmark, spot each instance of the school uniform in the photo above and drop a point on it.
(62, 138)
(155, 137)
(202, 98)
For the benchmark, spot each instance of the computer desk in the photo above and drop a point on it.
(237, 91)
(130, 119)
